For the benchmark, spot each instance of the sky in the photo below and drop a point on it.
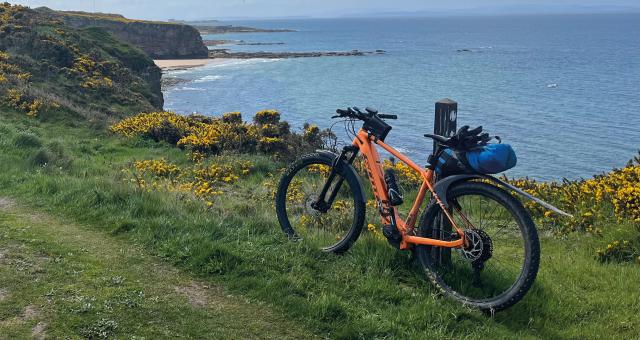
(229, 9)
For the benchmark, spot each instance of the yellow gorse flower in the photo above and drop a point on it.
(204, 182)
(588, 200)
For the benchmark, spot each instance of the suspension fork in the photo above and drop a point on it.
(346, 158)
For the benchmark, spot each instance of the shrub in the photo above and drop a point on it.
(166, 131)
(619, 251)
(273, 145)
(144, 123)
(267, 117)
(206, 136)
(590, 201)
(27, 140)
(160, 168)
(232, 118)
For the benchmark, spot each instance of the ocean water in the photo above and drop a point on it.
(563, 90)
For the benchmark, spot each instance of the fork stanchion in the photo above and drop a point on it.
(445, 124)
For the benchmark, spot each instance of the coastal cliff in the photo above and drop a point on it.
(160, 40)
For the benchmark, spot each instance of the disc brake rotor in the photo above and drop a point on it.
(479, 247)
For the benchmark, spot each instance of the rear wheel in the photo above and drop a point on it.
(500, 261)
(334, 228)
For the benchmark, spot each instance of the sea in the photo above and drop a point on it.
(563, 90)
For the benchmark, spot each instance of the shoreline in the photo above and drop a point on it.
(183, 64)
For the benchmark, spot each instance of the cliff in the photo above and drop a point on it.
(160, 40)
(48, 68)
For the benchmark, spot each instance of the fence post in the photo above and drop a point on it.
(445, 124)
(446, 120)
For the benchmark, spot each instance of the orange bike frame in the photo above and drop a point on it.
(366, 144)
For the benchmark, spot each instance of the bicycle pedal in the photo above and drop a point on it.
(390, 231)
(392, 234)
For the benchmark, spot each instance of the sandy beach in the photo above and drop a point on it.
(180, 64)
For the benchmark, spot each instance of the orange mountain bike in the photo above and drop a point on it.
(474, 240)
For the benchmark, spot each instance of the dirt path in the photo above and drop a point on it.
(58, 279)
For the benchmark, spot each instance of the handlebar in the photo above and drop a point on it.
(354, 112)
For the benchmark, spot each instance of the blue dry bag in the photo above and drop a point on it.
(492, 158)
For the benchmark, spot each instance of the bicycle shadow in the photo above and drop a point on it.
(529, 317)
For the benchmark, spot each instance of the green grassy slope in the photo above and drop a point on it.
(47, 67)
(372, 291)
(58, 279)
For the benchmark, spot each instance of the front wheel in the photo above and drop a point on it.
(331, 228)
(500, 260)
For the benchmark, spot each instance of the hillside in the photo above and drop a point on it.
(160, 40)
(46, 66)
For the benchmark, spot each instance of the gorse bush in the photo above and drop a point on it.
(204, 136)
(619, 251)
(614, 195)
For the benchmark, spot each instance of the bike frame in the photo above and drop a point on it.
(366, 144)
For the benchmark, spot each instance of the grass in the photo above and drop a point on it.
(112, 17)
(373, 291)
(59, 279)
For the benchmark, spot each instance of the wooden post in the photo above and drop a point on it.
(446, 120)
(445, 124)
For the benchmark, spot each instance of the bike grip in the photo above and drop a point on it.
(342, 112)
(387, 116)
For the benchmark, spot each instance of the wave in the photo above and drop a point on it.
(237, 62)
(187, 88)
(208, 79)
(174, 72)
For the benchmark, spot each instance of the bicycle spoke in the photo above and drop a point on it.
(322, 228)
(502, 269)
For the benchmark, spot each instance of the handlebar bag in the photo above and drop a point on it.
(492, 158)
